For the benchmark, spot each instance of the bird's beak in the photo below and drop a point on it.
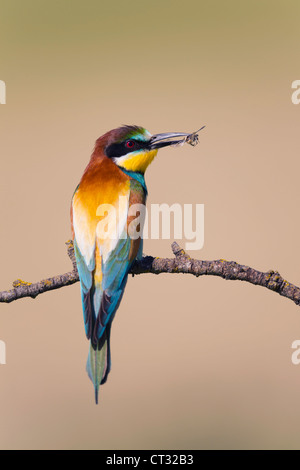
(163, 140)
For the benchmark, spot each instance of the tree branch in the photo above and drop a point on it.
(181, 263)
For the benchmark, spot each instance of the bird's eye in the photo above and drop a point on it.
(130, 144)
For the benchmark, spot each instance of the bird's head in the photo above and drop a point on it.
(133, 148)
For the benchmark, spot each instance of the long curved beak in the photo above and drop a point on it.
(163, 140)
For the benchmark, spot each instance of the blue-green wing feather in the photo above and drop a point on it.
(115, 271)
(86, 284)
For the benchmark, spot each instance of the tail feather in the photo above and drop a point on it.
(98, 363)
(108, 356)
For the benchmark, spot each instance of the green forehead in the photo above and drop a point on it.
(138, 134)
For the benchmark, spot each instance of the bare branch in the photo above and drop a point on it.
(181, 264)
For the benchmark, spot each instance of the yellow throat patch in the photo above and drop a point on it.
(137, 161)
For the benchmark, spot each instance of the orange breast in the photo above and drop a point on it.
(102, 184)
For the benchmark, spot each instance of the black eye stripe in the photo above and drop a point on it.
(119, 149)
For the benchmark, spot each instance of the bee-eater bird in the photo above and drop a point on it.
(115, 173)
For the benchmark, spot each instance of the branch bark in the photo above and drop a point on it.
(182, 263)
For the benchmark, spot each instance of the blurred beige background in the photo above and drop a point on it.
(197, 363)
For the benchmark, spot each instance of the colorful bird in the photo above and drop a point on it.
(111, 184)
